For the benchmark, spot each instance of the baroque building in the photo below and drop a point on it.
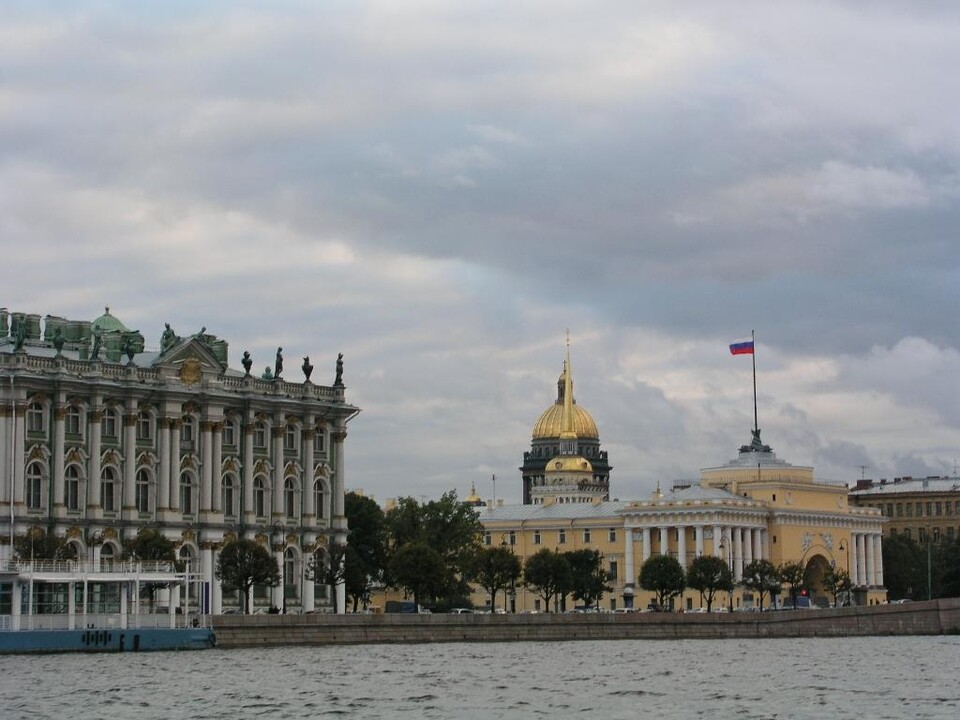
(101, 436)
(565, 463)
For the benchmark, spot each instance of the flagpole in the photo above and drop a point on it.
(756, 424)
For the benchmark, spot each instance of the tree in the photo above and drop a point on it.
(150, 546)
(762, 577)
(39, 545)
(244, 563)
(547, 573)
(663, 575)
(904, 568)
(328, 565)
(588, 579)
(496, 569)
(948, 562)
(366, 540)
(419, 569)
(792, 574)
(709, 574)
(835, 582)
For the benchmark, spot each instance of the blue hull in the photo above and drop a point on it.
(112, 640)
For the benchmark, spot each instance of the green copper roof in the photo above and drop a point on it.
(108, 323)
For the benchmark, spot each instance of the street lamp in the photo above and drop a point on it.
(844, 546)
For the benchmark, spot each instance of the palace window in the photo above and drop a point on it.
(228, 496)
(929, 509)
(899, 509)
(73, 425)
(142, 492)
(259, 496)
(187, 430)
(34, 486)
(144, 426)
(108, 490)
(260, 436)
(229, 437)
(938, 509)
(612, 572)
(187, 494)
(319, 442)
(108, 425)
(71, 488)
(290, 498)
(290, 437)
(35, 417)
(319, 499)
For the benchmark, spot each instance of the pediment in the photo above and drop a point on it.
(189, 361)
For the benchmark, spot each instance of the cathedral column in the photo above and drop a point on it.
(698, 538)
(878, 554)
(94, 501)
(629, 581)
(718, 541)
(758, 544)
(664, 540)
(682, 546)
(646, 544)
(861, 561)
(854, 569)
(60, 415)
(871, 564)
(747, 546)
(737, 534)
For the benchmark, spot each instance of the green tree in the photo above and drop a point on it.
(710, 575)
(150, 547)
(904, 568)
(328, 565)
(547, 573)
(663, 575)
(948, 568)
(793, 574)
(37, 544)
(419, 569)
(366, 540)
(762, 577)
(588, 579)
(244, 563)
(836, 581)
(496, 569)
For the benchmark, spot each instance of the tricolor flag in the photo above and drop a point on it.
(742, 347)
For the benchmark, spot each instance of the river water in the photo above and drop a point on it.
(899, 677)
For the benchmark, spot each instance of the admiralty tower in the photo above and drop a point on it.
(565, 463)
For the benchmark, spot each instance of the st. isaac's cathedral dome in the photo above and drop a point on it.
(565, 463)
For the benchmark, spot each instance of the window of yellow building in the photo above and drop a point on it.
(562, 537)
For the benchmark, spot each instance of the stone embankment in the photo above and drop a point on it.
(935, 617)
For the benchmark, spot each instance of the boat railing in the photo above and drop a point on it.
(25, 567)
(105, 621)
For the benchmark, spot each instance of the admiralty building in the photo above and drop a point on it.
(102, 435)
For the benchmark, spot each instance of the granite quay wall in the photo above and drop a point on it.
(935, 617)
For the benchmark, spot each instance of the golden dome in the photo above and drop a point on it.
(550, 423)
(569, 463)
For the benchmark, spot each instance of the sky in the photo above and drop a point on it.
(440, 191)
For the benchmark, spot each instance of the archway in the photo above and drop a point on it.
(817, 567)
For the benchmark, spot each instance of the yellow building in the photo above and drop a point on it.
(753, 507)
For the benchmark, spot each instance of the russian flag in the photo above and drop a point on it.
(742, 347)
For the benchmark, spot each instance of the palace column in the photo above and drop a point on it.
(174, 431)
(60, 415)
(871, 564)
(206, 466)
(758, 544)
(247, 512)
(664, 540)
(861, 561)
(646, 544)
(698, 539)
(309, 497)
(279, 427)
(216, 487)
(129, 494)
(163, 473)
(718, 541)
(206, 578)
(747, 546)
(854, 569)
(878, 553)
(216, 590)
(19, 421)
(94, 501)
(337, 437)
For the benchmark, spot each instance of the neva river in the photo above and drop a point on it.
(904, 677)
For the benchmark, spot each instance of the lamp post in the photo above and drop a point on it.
(844, 546)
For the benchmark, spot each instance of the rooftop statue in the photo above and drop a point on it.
(307, 367)
(168, 339)
(756, 445)
(247, 362)
(267, 374)
(20, 335)
(278, 364)
(338, 380)
(97, 344)
(58, 341)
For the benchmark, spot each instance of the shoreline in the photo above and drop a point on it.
(931, 617)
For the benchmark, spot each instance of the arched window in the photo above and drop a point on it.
(71, 487)
(143, 491)
(229, 434)
(290, 497)
(228, 496)
(259, 496)
(289, 568)
(107, 556)
(188, 429)
(35, 416)
(187, 494)
(73, 421)
(108, 489)
(34, 486)
(319, 499)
